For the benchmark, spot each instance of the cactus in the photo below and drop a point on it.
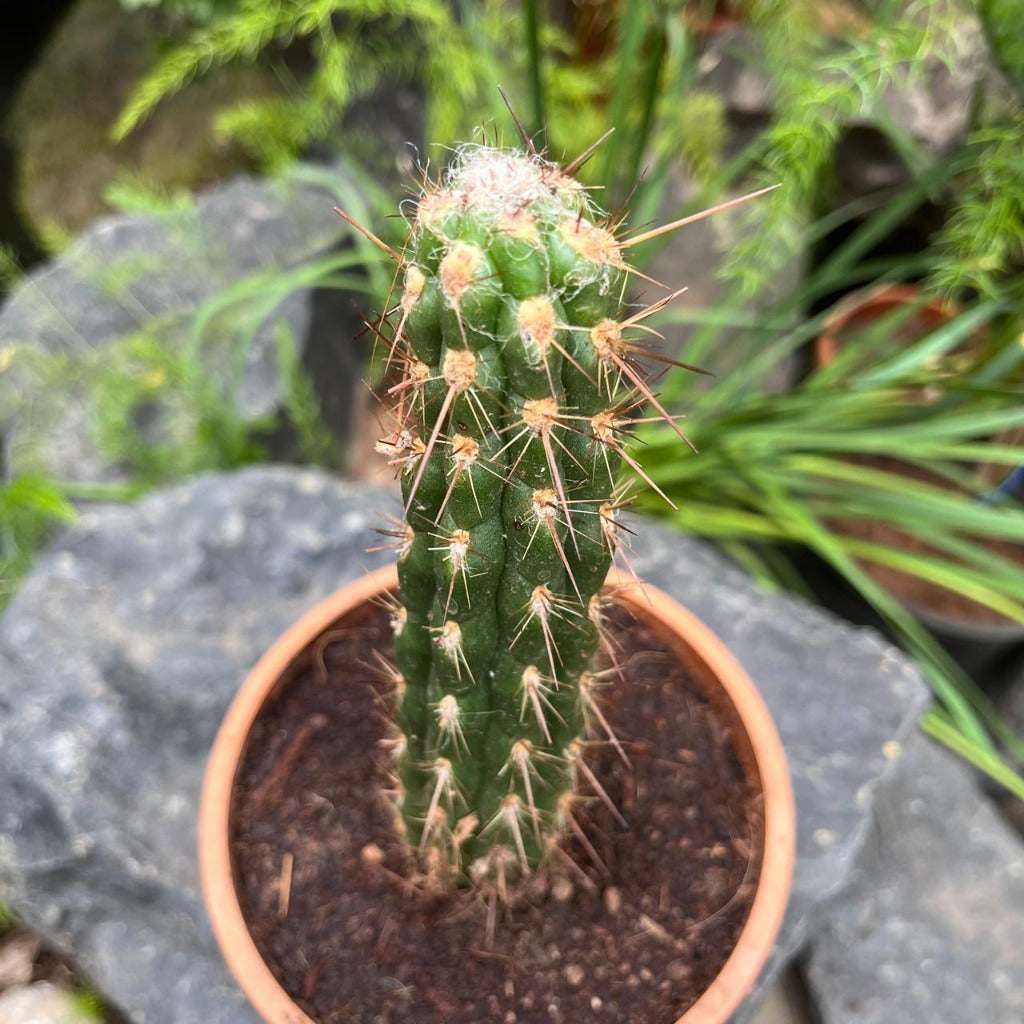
(519, 380)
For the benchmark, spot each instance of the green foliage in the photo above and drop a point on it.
(1003, 20)
(981, 247)
(823, 79)
(166, 399)
(132, 194)
(29, 507)
(779, 471)
(89, 1005)
(351, 42)
(314, 442)
(163, 416)
(774, 469)
(10, 269)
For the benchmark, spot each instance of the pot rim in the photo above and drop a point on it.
(757, 937)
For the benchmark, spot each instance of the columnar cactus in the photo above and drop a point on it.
(518, 382)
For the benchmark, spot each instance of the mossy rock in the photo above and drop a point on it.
(61, 121)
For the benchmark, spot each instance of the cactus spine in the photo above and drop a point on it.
(518, 382)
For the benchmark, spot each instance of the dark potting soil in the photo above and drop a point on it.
(323, 881)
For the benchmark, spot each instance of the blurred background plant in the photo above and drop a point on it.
(787, 451)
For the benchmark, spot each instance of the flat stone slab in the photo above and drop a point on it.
(931, 924)
(126, 643)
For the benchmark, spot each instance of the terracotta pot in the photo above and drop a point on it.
(763, 752)
(864, 307)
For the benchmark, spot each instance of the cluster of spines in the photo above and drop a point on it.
(519, 382)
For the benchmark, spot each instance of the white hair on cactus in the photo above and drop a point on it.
(499, 183)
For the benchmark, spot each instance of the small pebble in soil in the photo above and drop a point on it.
(371, 854)
(612, 900)
(574, 974)
(562, 890)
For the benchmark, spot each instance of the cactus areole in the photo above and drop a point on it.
(518, 381)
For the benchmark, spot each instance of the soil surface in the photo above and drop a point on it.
(634, 928)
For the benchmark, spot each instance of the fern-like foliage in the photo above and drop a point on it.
(242, 34)
(825, 75)
(353, 43)
(1004, 26)
(981, 248)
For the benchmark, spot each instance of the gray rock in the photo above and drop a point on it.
(124, 646)
(930, 926)
(144, 279)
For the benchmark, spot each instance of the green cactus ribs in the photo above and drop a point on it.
(520, 378)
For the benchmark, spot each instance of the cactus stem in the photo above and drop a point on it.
(512, 328)
(535, 689)
(579, 766)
